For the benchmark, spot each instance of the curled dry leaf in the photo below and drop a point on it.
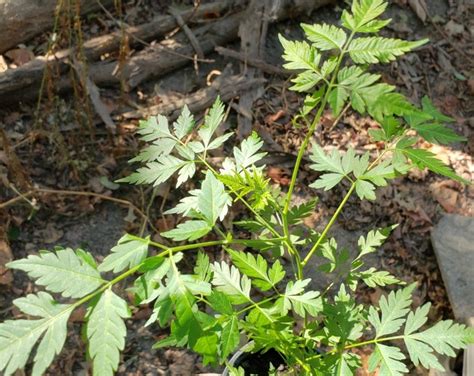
(446, 197)
(20, 56)
(6, 276)
(419, 7)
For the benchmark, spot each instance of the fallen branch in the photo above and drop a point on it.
(162, 58)
(226, 87)
(21, 20)
(257, 63)
(31, 73)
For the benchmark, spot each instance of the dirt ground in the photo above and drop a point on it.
(59, 153)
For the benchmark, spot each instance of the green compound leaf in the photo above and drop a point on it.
(156, 172)
(151, 153)
(364, 14)
(220, 302)
(374, 239)
(437, 133)
(389, 359)
(248, 153)
(301, 302)
(17, 337)
(228, 280)
(430, 109)
(257, 269)
(212, 120)
(373, 277)
(297, 213)
(230, 337)
(337, 98)
(445, 337)
(299, 55)
(62, 271)
(208, 203)
(325, 37)
(213, 202)
(184, 124)
(426, 159)
(393, 311)
(331, 162)
(189, 230)
(305, 81)
(380, 50)
(340, 364)
(106, 333)
(128, 253)
(156, 127)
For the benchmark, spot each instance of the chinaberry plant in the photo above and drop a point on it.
(214, 307)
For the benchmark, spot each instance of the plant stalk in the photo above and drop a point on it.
(329, 225)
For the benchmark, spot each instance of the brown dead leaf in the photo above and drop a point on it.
(376, 295)
(78, 314)
(20, 56)
(445, 196)
(454, 28)
(165, 223)
(6, 256)
(419, 7)
(50, 234)
(279, 175)
(470, 85)
(272, 118)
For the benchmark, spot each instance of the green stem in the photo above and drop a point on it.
(372, 341)
(354, 345)
(269, 299)
(329, 225)
(302, 150)
(167, 250)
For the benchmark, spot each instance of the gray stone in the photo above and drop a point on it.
(453, 242)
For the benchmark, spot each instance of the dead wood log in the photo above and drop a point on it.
(30, 74)
(21, 20)
(252, 32)
(257, 63)
(157, 60)
(227, 87)
(166, 56)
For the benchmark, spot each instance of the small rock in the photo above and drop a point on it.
(453, 242)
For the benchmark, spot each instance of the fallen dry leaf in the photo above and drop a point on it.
(279, 175)
(272, 118)
(419, 7)
(165, 223)
(20, 56)
(445, 196)
(6, 256)
(454, 28)
(50, 234)
(470, 85)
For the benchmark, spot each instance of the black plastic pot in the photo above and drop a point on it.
(257, 363)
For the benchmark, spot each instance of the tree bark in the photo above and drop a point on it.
(21, 20)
